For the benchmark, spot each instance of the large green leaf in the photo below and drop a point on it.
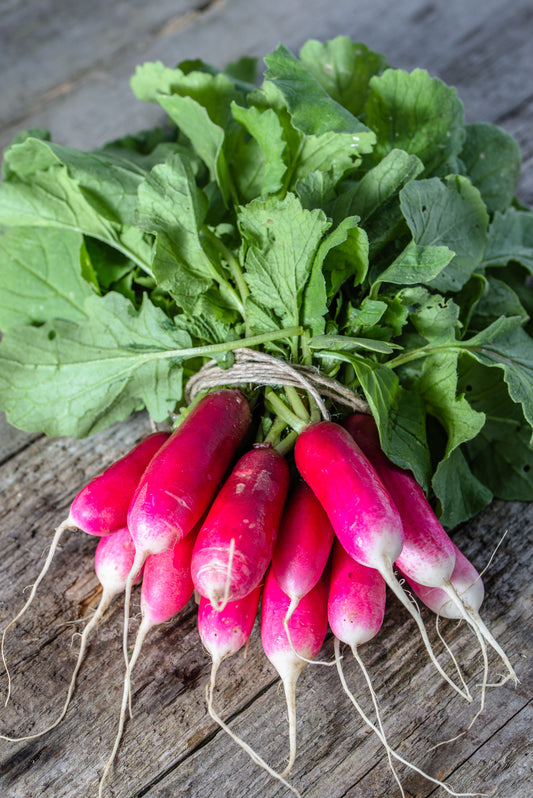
(67, 378)
(40, 276)
(418, 114)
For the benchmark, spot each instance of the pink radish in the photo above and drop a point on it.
(428, 556)
(467, 583)
(359, 507)
(180, 482)
(223, 633)
(112, 562)
(302, 547)
(166, 589)
(182, 479)
(234, 546)
(356, 607)
(100, 508)
(307, 626)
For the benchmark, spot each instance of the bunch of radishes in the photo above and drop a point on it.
(179, 513)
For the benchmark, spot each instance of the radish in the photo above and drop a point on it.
(180, 482)
(428, 556)
(307, 625)
(359, 507)
(356, 607)
(223, 633)
(234, 546)
(302, 547)
(467, 583)
(112, 562)
(166, 589)
(100, 508)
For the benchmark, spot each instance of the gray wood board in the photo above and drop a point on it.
(80, 90)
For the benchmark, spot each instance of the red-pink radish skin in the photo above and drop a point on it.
(247, 511)
(356, 600)
(167, 584)
(101, 507)
(356, 607)
(113, 560)
(303, 544)
(359, 507)
(182, 479)
(307, 625)
(428, 554)
(466, 581)
(361, 510)
(224, 632)
(428, 557)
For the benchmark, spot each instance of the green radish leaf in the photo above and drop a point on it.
(415, 264)
(48, 185)
(41, 276)
(313, 111)
(171, 206)
(492, 160)
(460, 493)
(281, 241)
(378, 186)
(343, 255)
(505, 345)
(437, 386)
(258, 165)
(450, 214)
(416, 113)
(68, 378)
(343, 68)
(346, 343)
(501, 456)
(510, 238)
(432, 315)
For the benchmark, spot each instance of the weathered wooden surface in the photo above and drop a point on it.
(66, 67)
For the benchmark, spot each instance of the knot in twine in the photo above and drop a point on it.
(258, 368)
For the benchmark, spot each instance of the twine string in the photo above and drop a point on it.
(258, 368)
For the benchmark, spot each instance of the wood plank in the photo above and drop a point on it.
(172, 746)
(46, 50)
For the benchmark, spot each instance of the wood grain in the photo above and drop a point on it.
(67, 67)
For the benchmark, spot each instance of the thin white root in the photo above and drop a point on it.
(292, 606)
(104, 603)
(381, 737)
(392, 582)
(450, 654)
(474, 619)
(135, 568)
(221, 604)
(67, 524)
(374, 702)
(126, 698)
(493, 643)
(483, 691)
(289, 686)
(250, 751)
